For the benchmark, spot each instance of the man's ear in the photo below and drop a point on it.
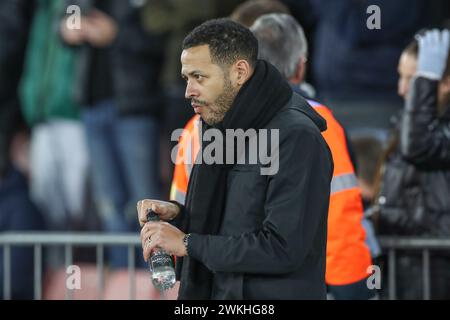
(299, 73)
(241, 72)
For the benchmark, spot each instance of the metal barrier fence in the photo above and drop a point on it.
(99, 240)
(391, 244)
(68, 240)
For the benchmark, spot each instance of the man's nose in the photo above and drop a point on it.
(191, 91)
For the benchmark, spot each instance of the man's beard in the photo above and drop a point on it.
(222, 104)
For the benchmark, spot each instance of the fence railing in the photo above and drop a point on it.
(390, 246)
(68, 240)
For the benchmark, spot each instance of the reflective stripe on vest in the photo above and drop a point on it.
(314, 104)
(343, 182)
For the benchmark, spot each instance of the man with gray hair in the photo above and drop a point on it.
(281, 41)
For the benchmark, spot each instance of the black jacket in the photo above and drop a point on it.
(272, 240)
(135, 59)
(416, 184)
(15, 18)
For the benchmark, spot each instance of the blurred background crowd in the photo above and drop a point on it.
(86, 115)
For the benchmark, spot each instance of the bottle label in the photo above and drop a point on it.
(160, 258)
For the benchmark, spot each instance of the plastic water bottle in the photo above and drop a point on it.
(161, 263)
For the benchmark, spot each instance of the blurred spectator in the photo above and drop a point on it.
(415, 182)
(354, 67)
(18, 213)
(118, 86)
(368, 151)
(59, 159)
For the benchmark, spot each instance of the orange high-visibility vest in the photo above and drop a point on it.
(348, 256)
(188, 147)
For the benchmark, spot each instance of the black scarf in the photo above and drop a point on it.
(256, 103)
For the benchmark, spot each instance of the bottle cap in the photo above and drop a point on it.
(152, 216)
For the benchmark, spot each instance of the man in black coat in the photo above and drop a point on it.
(250, 229)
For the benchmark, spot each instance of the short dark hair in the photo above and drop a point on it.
(367, 150)
(228, 41)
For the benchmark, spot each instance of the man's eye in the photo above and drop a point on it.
(198, 77)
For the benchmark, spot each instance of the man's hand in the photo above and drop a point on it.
(166, 210)
(433, 53)
(162, 235)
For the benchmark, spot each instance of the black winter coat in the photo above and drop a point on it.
(272, 240)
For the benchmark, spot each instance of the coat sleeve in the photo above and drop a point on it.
(296, 209)
(425, 138)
